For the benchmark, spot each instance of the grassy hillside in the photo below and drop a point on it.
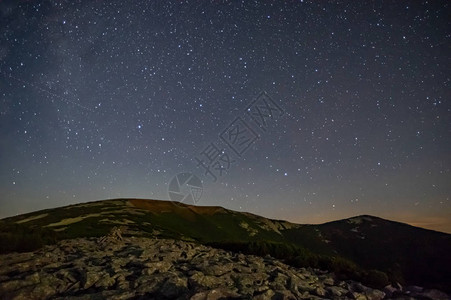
(366, 248)
(408, 253)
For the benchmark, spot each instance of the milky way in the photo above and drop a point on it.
(109, 99)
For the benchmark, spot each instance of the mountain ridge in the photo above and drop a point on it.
(365, 247)
(211, 207)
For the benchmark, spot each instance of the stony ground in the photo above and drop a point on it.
(141, 268)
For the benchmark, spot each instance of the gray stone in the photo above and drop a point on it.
(328, 281)
(320, 291)
(217, 270)
(215, 294)
(356, 287)
(335, 291)
(391, 290)
(435, 295)
(279, 281)
(283, 295)
(414, 289)
(122, 283)
(138, 267)
(204, 281)
(245, 284)
(373, 294)
(358, 296)
(90, 278)
(160, 266)
(174, 286)
(266, 295)
(105, 281)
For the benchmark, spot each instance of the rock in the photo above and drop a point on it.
(278, 280)
(320, 291)
(398, 286)
(303, 286)
(32, 279)
(105, 281)
(22, 294)
(293, 282)
(43, 291)
(160, 266)
(113, 237)
(435, 295)
(47, 286)
(357, 296)
(15, 284)
(283, 295)
(174, 286)
(356, 287)
(328, 281)
(149, 284)
(245, 284)
(391, 290)
(414, 289)
(217, 270)
(243, 269)
(372, 294)
(66, 276)
(335, 291)
(90, 278)
(204, 281)
(266, 295)
(121, 283)
(142, 268)
(216, 294)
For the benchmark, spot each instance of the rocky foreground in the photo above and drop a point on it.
(140, 268)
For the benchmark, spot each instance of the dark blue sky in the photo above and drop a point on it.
(107, 99)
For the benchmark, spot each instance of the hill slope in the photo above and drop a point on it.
(367, 248)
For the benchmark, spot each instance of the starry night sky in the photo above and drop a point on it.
(108, 99)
